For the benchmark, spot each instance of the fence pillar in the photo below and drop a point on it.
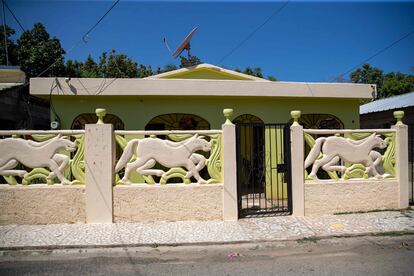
(401, 162)
(230, 204)
(99, 162)
(297, 152)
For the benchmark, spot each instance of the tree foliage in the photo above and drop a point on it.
(11, 46)
(390, 84)
(37, 52)
(188, 62)
(256, 72)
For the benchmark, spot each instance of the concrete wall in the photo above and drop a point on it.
(174, 202)
(330, 197)
(42, 204)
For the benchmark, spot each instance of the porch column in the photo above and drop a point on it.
(230, 204)
(297, 163)
(99, 162)
(401, 161)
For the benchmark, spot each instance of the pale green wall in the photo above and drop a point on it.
(137, 111)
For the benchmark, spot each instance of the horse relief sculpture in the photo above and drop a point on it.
(335, 148)
(35, 155)
(170, 154)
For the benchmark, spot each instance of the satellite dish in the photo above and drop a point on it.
(184, 45)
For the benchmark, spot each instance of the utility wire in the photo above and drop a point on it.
(253, 32)
(5, 34)
(376, 54)
(99, 21)
(82, 39)
(14, 16)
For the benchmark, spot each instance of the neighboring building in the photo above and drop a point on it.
(193, 98)
(18, 109)
(379, 113)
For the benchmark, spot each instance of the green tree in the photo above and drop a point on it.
(368, 74)
(390, 84)
(167, 68)
(188, 62)
(90, 69)
(271, 78)
(73, 68)
(38, 53)
(396, 84)
(256, 72)
(118, 66)
(11, 46)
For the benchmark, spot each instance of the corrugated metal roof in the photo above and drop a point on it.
(400, 101)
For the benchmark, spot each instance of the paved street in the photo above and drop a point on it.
(381, 255)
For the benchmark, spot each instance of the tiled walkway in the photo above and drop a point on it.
(188, 232)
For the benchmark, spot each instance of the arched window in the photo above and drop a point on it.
(247, 118)
(320, 121)
(177, 121)
(90, 118)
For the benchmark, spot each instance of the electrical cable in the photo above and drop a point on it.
(14, 16)
(82, 39)
(253, 32)
(375, 55)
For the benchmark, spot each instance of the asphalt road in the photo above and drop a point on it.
(337, 256)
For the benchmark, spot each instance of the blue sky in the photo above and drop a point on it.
(306, 41)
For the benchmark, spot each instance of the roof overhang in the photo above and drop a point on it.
(196, 87)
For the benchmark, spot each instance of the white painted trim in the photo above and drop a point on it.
(196, 87)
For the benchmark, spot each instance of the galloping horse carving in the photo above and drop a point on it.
(336, 148)
(167, 153)
(35, 155)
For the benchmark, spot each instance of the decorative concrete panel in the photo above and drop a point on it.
(350, 196)
(175, 202)
(42, 204)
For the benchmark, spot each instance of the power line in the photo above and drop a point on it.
(5, 34)
(99, 21)
(83, 38)
(254, 32)
(14, 16)
(376, 54)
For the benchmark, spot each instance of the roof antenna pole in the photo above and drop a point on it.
(5, 35)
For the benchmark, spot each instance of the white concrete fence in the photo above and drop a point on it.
(358, 176)
(100, 180)
(101, 190)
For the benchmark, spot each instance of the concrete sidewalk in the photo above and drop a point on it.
(211, 232)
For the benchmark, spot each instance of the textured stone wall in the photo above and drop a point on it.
(42, 204)
(330, 197)
(173, 202)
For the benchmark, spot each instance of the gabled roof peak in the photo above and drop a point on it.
(206, 71)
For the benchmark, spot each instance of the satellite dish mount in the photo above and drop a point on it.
(184, 45)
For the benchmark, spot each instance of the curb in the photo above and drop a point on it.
(155, 245)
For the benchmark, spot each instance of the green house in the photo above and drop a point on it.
(194, 99)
